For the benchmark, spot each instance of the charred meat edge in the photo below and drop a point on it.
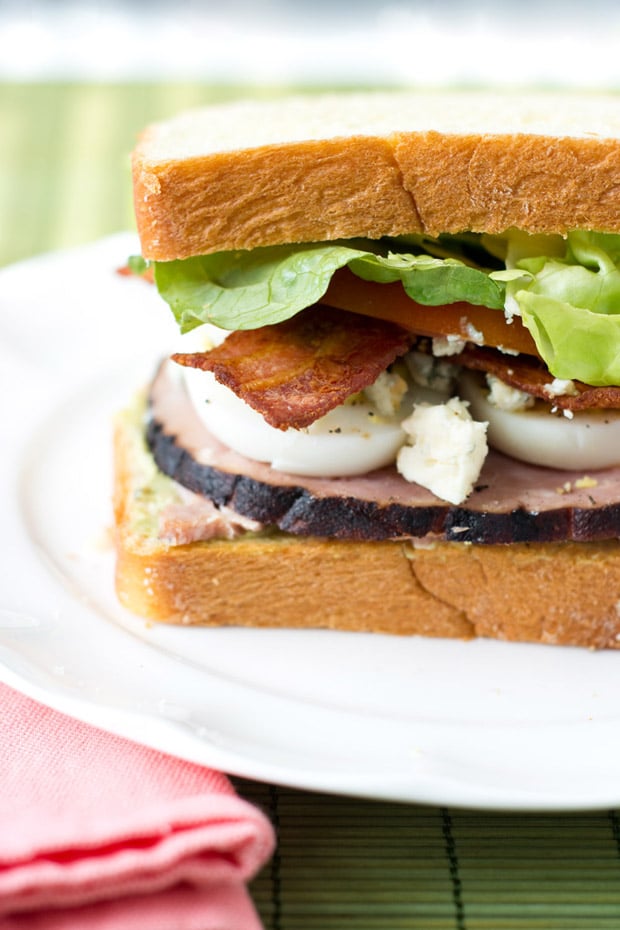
(296, 510)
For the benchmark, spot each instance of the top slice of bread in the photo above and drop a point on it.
(324, 167)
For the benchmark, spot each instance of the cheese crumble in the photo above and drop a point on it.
(505, 397)
(446, 449)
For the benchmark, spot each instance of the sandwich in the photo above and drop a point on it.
(394, 403)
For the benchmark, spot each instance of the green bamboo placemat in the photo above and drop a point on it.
(369, 865)
(340, 863)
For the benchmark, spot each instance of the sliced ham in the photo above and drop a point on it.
(196, 518)
(512, 501)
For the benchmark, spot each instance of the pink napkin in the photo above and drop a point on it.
(99, 833)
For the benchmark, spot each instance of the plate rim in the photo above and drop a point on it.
(163, 731)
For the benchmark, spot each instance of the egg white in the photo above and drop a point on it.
(349, 440)
(356, 439)
(589, 440)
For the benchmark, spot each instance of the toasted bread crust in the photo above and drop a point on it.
(209, 196)
(372, 166)
(549, 593)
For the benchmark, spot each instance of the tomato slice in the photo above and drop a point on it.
(390, 302)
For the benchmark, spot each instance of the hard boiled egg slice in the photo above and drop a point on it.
(352, 439)
(586, 441)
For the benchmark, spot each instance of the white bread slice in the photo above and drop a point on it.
(550, 593)
(312, 168)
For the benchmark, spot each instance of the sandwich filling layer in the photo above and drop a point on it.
(332, 365)
(512, 501)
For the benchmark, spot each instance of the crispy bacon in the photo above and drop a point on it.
(297, 371)
(528, 373)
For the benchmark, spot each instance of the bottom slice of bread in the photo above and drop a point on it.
(562, 593)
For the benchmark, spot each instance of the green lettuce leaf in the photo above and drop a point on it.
(576, 343)
(433, 281)
(567, 291)
(245, 290)
(571, 306)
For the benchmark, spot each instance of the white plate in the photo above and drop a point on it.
(481, 724)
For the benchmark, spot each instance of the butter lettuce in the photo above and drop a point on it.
(571, 306)
(575, 343)
(567, 291)
(245, 290)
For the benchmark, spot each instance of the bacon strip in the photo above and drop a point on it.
(295, 372)
(530, 374)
